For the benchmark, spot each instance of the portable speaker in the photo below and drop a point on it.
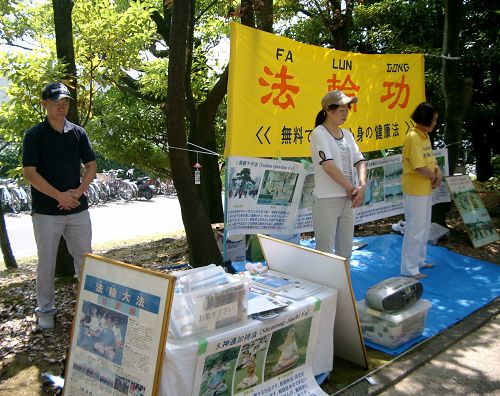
(393, 294)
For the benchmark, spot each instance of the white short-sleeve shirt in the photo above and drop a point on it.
(343, 152)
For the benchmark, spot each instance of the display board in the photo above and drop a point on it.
(275, 196)
(328, 270)
(476, 219)
(119, 330)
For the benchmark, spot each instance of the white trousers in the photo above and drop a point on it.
(418, 224)
(77, 231)
(333, 222)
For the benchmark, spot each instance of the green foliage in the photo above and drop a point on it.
(28, 73)
(9, 160)
(493, 184)
(309, 22)
(113, 39)
(129, 130)
(394, 26)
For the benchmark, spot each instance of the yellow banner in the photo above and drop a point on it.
(276, 85)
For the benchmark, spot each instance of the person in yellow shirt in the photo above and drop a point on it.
(421, 174)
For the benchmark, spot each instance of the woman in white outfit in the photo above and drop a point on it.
(335, 154)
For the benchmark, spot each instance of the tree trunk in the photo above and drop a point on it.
(203, 135)
(63, 26)
(8, 257)
(482, 147)
(264, 12)
(202, 246)
(453, 83)
(453, 90)
(66, 54)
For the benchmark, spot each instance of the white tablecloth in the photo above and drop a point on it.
(181, 356)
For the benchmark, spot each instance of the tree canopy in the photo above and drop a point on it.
(123, 55)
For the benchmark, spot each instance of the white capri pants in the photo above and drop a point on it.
(418, 209)
(333, 221)
(77, 231)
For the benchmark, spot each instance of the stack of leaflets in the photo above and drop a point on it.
(270, 282)
(260, 301)
(284, 285)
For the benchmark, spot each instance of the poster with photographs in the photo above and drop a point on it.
(275, 359)
(265, 196)
(119, 330)
(262, 195)
(384, 194)
(476, 218)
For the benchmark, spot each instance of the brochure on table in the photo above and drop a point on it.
(284, 285)
(119, 330)
(275, 359)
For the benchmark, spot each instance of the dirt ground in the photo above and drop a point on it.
(26, 352)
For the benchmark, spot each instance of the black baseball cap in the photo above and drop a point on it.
(56, 91)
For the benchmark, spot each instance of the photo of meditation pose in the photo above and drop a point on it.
(218, 373)
(101, 332)
(287, 348)
(216, 385)
(289, 352)
(251, 379)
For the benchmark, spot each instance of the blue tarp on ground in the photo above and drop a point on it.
(457, 286)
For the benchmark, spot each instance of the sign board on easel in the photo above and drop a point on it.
(119, 330)
(476, 219)
(328, 270)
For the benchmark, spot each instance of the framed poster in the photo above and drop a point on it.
(476, 219)
(119, 330)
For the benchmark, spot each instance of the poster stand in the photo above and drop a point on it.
(476, 219)
(119, 330)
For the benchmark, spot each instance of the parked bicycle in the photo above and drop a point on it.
(11, 196)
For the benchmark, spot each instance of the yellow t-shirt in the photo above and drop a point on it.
(417, 153)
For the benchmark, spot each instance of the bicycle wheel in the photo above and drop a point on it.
(91, 195)
(126, 192)
(135, 190)
(15, 203)
(103, 194)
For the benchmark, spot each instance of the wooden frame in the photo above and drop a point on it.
(119, 330)
(328, 270)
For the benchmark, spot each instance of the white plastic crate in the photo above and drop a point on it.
(209, 309)
(392, 330)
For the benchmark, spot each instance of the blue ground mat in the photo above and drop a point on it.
(457, 286)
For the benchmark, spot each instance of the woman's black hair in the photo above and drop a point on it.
(424, 114)
(321, 116)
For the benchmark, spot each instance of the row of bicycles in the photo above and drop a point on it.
(110, 185)
(15, 195)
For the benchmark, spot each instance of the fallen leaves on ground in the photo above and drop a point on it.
(23, 345)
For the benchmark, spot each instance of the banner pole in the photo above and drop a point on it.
(224, 234)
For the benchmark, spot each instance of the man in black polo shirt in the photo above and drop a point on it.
(53, 152)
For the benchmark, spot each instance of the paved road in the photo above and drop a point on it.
(460, 361)
(114, 221)
(469, 367)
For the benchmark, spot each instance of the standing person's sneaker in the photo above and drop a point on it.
(45, 320)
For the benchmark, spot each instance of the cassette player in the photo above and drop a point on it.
(393, 294)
